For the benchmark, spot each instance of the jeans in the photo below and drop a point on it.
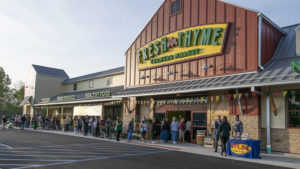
(130, 134)
(216, 142)
(224, 140)
(174, 135)
(164, 135)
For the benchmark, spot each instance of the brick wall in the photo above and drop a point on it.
(283, 140)
(251, 125)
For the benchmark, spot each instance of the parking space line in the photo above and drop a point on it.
(25, 155)
(6, 146)
(8, 159)
(99, 158)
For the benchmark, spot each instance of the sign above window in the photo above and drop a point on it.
(66, 98)
(97, 94)
(186, 44)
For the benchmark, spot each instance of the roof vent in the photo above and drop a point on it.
(298, 40)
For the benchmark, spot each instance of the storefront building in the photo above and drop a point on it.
(50, 91)
(202, 58)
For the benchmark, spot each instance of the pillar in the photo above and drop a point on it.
(268, 113)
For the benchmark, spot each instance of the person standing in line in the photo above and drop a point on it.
(79, 123)
(182, 127)
(102, 127)
(188, 130)
(35, 122)
(143, 129)
(90, 125)
(97, 127)
(217, 132)
(67, 122)
(75, 124)
(238, 127)
(224, 130)
(118, 128)
(85, 125)
(23, 120)
(130, 129)
(174, 130)
(154, 130)
(57, 122)
(4, 120)
(108, 126)
(63, 123)
(164, 131)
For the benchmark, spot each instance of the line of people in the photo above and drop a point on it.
(178, 130)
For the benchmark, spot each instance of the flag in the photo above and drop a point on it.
(217, 98)
(212, 98)
(240, 95)
(234, 96)
(229, 97)
(253, 94)
(246, 95)
(222, 97)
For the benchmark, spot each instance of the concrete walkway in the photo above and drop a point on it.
(277, 159)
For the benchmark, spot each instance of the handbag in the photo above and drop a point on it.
(142, 129)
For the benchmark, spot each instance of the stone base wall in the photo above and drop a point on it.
(283, 140)
(251, 125)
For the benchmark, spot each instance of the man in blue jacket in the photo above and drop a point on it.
(217, 132)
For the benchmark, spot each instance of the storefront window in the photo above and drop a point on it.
(294, 110)
(112, 112)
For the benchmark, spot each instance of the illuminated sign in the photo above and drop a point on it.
(295, 67)
(240, 149)
(65, 98)
(98, 94)
(182, 45)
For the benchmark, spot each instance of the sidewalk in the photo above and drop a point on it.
(277, 159)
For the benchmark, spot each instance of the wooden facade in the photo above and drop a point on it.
(241, 47)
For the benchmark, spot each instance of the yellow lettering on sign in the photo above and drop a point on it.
(183, 45)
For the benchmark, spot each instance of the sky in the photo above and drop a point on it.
(87, 36)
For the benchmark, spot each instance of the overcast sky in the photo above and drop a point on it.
(87, 36)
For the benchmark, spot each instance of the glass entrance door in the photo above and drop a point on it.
(198, 122)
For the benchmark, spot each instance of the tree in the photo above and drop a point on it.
(10, 98)
(4, 88)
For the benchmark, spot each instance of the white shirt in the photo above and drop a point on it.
(188, 125)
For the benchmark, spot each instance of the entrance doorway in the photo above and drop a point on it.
(198, 122)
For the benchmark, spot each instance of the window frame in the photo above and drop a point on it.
(180, 10)
(75, 87)
(109, 79)
(91, 82)
(288, 111)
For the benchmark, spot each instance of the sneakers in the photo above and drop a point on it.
(174, 142)
(153, 142)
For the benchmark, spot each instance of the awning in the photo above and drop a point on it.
(25, 100)
(278, 72)
(88, 110)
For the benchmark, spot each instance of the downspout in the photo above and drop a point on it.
(259, 41)
(268, 113)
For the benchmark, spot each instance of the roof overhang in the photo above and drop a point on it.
(25, 100)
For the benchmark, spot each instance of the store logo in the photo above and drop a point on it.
(205, 40)
(295, 67)
(240, 149)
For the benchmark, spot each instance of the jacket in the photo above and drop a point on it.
(224, 129)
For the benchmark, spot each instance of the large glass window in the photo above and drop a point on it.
(294, 109)
(112, 112)
(175, 7)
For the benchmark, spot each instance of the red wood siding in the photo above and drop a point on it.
(270, 38)
(240, 52)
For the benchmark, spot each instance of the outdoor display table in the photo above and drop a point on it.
(244, 148)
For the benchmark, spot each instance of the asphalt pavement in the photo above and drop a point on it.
(29, 149)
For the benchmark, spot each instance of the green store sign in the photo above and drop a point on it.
(295, 66)
(66, 98)
(98, 94)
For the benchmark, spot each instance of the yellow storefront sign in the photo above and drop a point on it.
(182, 45)
(240, 149)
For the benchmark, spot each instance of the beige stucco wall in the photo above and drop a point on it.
(117, 80)
(29, 89)
(298, 40)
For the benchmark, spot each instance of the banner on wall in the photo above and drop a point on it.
(88, 110)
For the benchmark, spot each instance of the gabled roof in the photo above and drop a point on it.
(276, 72)
(95, 75)
(42, 70)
